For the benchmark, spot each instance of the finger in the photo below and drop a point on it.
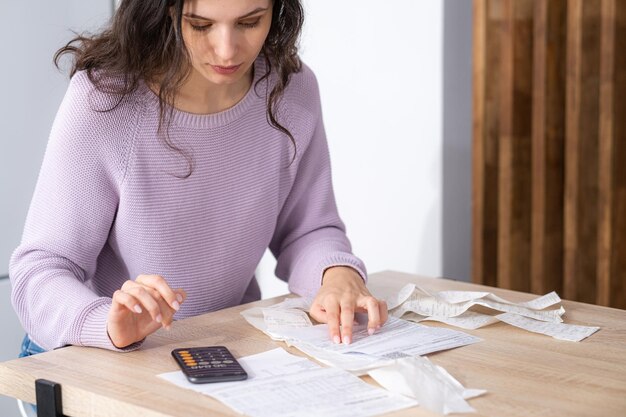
(373, 314)
(158, 283)
(167, 312)
(125, 300)
(181, 295)
(347, 318)
(333, 321)
(318, 313)
(131, 285)
(148, 301)
(384, 312)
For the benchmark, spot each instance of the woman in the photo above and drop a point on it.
(190, 139)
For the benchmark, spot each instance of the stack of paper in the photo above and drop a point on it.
(391, 355)
(283, 385)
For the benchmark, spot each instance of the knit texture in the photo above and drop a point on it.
(111, 204)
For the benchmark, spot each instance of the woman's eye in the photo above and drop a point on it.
(250, 24)
(200, 28)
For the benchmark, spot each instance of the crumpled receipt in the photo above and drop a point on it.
(431, 385)
(452, 307)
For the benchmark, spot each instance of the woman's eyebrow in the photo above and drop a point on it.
(253, 12)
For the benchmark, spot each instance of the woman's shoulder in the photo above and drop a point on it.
(100, 92)
(93, 103)
(303, 90)
(94, 122)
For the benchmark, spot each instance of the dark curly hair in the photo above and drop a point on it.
(144, 42)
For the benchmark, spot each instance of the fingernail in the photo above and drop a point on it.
(159, 318)
(378, 327)
(371, 331)
(176, 305)
(179, 298)
(336, 339)
(347, 340)
(137, 309)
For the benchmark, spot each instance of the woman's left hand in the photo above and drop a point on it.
(343, 294)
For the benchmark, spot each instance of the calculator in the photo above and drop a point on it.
(209, 364)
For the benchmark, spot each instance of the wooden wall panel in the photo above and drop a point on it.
(548, 139)
(514, 140)
(581, 150)
(486, 130)
(549, 148)
(612, 151)
(617, 288)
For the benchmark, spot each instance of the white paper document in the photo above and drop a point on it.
(539, 303)
(396, 338)
(562, 331)
(299, 303)
(322, 392)
(396, 300)
(430, 384)
(273, 320)
(289, 317)
(389, 350)
(452, 307)
(469, 320)
(455, 303)
(285, 385)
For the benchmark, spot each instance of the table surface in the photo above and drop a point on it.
(525, 374)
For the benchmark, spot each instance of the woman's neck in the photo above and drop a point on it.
(198, 96)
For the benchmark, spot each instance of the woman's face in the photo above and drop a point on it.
(224, 37)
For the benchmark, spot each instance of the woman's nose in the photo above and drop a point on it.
(225, 46)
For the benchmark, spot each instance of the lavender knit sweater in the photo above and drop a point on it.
(110, 205)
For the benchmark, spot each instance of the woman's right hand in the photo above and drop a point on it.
(140, 308)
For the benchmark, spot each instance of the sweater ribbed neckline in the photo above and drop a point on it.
(212, 120)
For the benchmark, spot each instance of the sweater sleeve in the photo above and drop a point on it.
(71, 213)
(310, 237)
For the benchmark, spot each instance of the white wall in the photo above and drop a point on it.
(32, 89)
(380, 70)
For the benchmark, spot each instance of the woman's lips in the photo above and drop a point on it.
(225, 70)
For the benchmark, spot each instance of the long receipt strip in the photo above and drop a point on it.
(426, 304)
(561, 331)
(283, 385)
(451, 307)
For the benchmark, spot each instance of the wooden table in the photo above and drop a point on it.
(525, 374)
